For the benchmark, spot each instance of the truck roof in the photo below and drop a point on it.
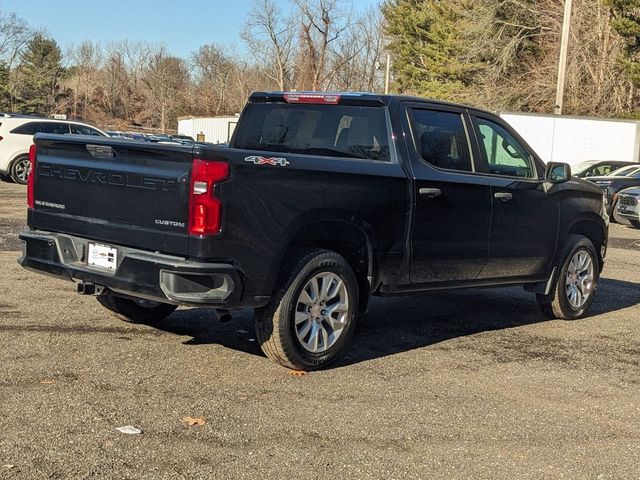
(362, 98)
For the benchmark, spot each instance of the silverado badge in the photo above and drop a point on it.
(283, 162)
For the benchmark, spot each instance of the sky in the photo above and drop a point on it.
(182, 26)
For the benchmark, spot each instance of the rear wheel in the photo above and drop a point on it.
(136, 310)
(312, 314)
(575, 285)
(20, 170)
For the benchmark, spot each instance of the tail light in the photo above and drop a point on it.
(32, 173)
(205, 210)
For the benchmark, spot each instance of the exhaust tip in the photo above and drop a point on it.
(85, 288)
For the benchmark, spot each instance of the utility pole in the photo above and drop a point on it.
(387, 74)
(562, 66)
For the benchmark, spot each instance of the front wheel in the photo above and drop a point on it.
(575, 285)
(20, 170)
(312, 314)
(635, 223)
(136, 310)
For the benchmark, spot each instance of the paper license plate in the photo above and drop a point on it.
(102, 256)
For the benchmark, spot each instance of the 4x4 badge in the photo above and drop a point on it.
(283, 162)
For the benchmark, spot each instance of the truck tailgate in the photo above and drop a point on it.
(116, 191)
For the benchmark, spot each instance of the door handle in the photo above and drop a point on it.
(503, 196)
(431, 192)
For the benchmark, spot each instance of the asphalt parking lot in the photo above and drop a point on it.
(452, 385)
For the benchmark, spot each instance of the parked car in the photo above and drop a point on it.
(628, 205)
(613, 183)
(598, 168)
(624, 171)
(16, 136)
(160, 138)
(183, 138)
(135, 136)
(319, 202)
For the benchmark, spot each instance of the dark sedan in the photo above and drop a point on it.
(612, 184)
(598, 168)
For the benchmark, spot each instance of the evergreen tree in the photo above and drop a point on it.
(626, 22)
(428, 42)
(39, 73)
(5, 93)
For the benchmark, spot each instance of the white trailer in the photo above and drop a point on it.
(572, 140)
(208, 129)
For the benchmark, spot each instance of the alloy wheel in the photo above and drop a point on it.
(21, 169)
(579, 282)
(321, 312)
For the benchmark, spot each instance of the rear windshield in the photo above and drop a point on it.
(331, 130)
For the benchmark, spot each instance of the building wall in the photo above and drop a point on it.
(575, 139)
(214, 129)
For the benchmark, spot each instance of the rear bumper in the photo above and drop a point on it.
(139, 273)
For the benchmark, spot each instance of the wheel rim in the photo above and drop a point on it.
(22, 169)
(579, 279)
(322, 312)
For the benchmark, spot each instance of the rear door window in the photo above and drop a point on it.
(441, 139)
(329, 130)
(55, 127)
(30, 128)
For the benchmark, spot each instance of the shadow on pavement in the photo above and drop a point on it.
(399, 324)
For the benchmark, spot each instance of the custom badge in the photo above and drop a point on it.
(283, 162)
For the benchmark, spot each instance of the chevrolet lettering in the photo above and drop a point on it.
(131, 180)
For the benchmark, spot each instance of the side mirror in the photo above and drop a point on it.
(557, 172)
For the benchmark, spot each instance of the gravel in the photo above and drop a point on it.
(471, 384)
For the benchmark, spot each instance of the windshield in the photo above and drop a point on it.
(624, 171)
(582, 166)
(312, 129)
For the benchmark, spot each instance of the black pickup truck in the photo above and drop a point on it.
(319, 202)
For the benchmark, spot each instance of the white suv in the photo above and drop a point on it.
(16, 136)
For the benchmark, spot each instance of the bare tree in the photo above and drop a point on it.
(113, 84)
(212, 68)
(356, 56)
(14, 36)
(166, 79)
(322, 22)
(270, 38)
(83, 75)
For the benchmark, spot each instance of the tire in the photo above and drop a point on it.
(136, 311)
(635, 223)
(559, 304)
(20, 170)
(294, 345)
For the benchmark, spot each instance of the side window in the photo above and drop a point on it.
(441, 139)
(504, 155)
(54, 127)
(30, 128)
(84, 130)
